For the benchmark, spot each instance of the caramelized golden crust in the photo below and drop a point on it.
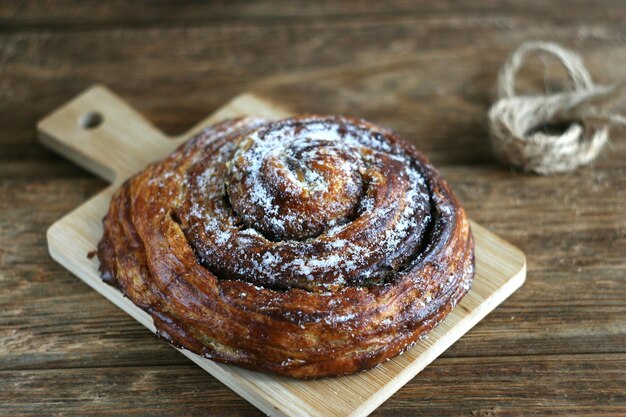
(312, 246)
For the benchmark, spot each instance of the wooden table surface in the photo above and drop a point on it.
(556, 347)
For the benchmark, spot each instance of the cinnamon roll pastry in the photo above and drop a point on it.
(312, 246)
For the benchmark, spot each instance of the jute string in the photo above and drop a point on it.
(555, 132)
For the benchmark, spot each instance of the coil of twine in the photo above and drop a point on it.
(555, 132)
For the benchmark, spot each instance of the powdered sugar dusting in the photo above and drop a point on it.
(270, 163)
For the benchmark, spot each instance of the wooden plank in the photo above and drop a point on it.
(90, 15)
(563, 385)
(500, 267)
(432, 78)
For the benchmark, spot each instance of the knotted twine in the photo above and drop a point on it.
(555, 132)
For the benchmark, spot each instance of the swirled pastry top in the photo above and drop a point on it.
(310, 246)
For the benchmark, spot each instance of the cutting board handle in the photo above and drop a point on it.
(100, 132)
(103, 134)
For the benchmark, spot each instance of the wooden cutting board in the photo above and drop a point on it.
(100, 132)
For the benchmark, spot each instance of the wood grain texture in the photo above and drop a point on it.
(426, 70)
(124, 142)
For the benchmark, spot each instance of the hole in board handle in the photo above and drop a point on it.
(91, 120)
